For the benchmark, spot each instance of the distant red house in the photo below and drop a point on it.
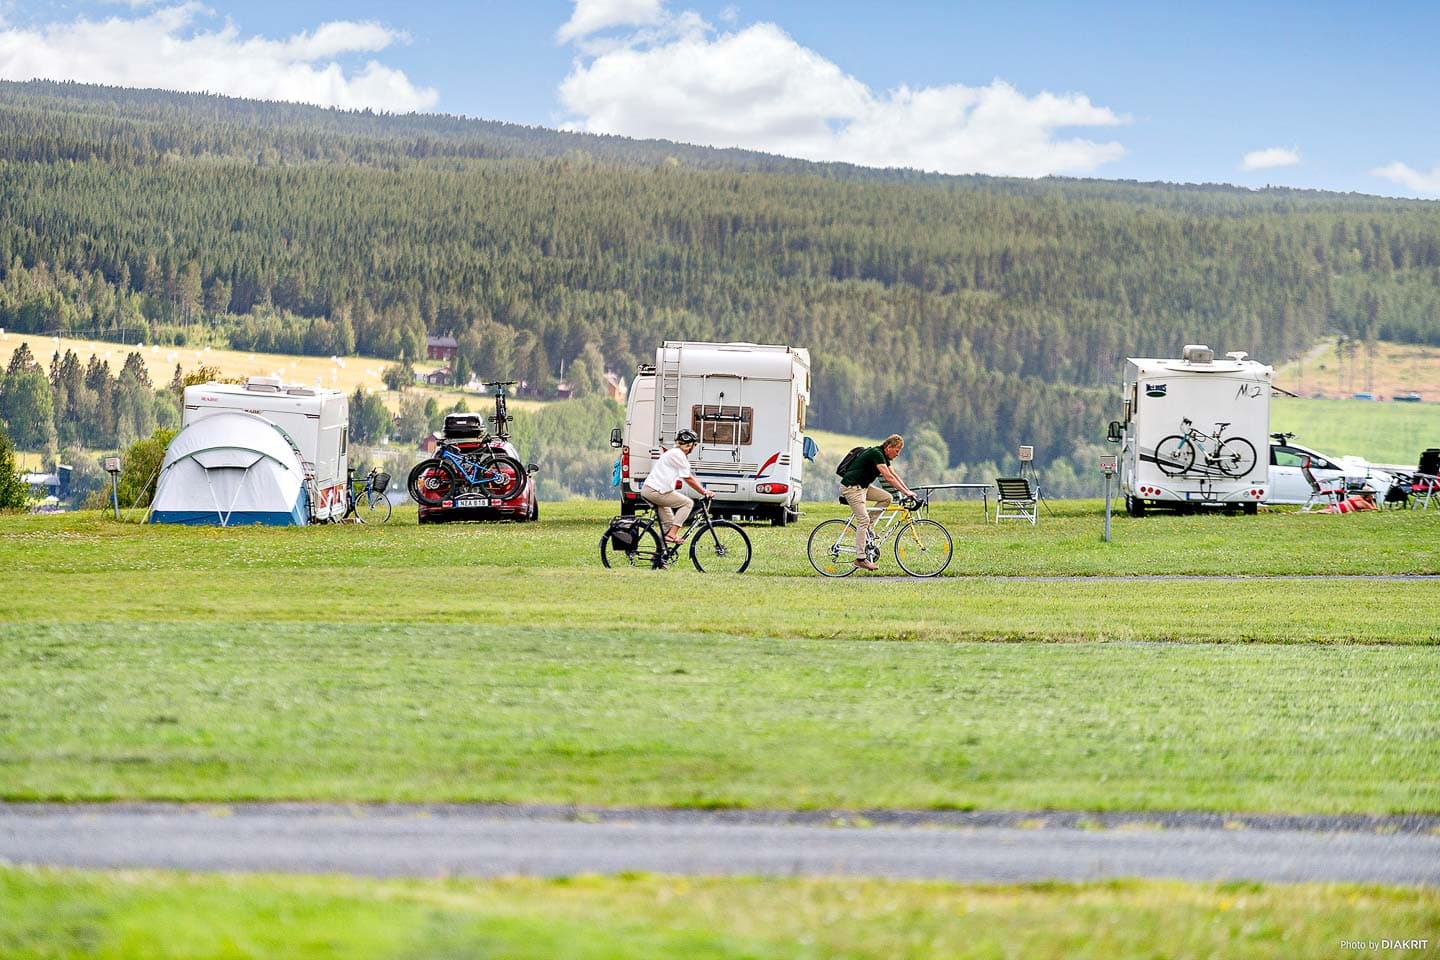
(438, 378)
(441, 348)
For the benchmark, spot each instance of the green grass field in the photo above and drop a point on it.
(503, 663)
(65, 914)
(1380, 432)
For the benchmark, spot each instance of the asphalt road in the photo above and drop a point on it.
(551, 841)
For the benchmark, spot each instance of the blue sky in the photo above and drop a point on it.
(1328, 95)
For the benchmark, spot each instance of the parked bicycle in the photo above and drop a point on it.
(450, 474)
(365, 498)
(501, 418)
(1177, 453)
(716, 546)
(922, 546)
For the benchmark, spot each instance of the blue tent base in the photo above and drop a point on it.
(254, 518)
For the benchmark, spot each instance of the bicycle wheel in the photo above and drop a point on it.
(432, 482)
(1237, 457)
(1174, 455)
(645, 555)
(372, 507)
(923, 548)
(511, 480)
(720, 547)
(832, 549)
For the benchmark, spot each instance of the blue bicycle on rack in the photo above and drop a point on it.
(449, 475)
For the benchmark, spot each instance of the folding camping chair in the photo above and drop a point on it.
(1321, 494)
(1016, 499)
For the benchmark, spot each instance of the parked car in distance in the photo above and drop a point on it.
(1288, 483)
(1411, 397)
(523, 506)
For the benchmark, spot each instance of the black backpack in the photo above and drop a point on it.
(848, 459)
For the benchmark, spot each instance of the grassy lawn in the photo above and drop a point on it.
(73, 914)
(1380, 432)
(502, 663)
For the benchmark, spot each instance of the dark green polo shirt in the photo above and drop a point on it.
(864, 469)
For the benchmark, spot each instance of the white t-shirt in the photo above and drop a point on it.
(672, 466)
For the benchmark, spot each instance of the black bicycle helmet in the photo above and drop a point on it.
(686, 436)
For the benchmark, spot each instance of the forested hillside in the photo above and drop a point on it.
(997, 311)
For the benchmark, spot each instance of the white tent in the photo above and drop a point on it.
(230, 469)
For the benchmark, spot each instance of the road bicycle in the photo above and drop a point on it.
(1177, 453)
(450, 474)
(365, 498)
(716, 546)
(922, 546)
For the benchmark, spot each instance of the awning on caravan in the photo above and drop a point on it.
(231, 469)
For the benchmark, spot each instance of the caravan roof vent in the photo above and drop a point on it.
(1198, 353)
(263, 384)
(300, 392)
(1237, 355)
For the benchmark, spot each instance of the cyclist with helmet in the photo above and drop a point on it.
(659, 489)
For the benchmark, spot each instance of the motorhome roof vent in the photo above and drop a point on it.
(1237, 355)
(300, 392)
(263, 384)
(1198, 353)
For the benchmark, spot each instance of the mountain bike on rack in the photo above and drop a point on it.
(922, 546)
(716, 546)
(1177, 453)
(365, 498)
(450, 474)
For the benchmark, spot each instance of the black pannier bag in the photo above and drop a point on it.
(624, 533)
(462, 426)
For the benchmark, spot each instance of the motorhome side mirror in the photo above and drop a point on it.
(617, 437)
(532, 468)
(1115, 433)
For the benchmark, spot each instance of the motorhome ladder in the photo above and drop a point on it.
(669, 374)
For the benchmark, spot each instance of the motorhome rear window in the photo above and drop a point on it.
(716, 423)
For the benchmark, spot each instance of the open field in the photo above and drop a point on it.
(503, 663)
(1379, 432)
(73, 914)
(344, 373)
(1397, 368)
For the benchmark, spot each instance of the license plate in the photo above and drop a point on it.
(472, 502)
(722, 487)
(1195, 495)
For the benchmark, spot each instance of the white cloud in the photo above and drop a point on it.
(1406, 176)
(592, 16)
(169, 48)
(1270, 157)
(759, 89)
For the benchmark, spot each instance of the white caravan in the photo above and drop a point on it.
(315, 419)
(747, 403)
(1195, 431)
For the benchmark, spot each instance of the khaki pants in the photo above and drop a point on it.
(673, 507)
(856, 497)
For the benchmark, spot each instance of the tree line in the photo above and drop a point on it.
(992, 311)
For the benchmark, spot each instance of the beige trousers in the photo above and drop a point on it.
(857, 497)
(673, 507)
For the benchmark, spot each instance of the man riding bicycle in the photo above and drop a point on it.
(659, 489)
(870, 464)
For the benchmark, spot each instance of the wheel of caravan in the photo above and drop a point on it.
(831, 549)
(1237, 457)
(1174, 455)
(372, 507)
(431, 482)
(1135, 506)
(721, 547)
(645, 554)
(923, 548)
(512, 479)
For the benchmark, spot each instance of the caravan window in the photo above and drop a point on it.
(717, 424)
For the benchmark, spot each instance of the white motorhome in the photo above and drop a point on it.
(1195, 431)
(747, 403)
(315, 419)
